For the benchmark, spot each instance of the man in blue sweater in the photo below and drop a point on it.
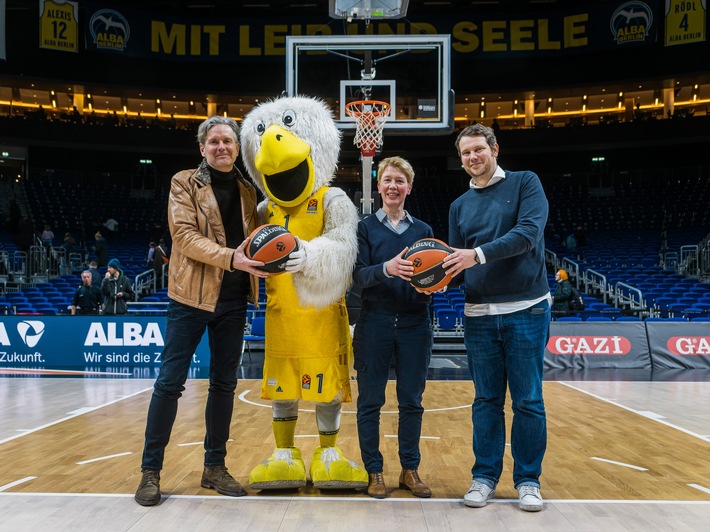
(496, 229)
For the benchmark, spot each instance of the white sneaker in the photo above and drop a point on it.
(529, 498)
(478, 494)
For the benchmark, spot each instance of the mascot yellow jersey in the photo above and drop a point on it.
(312, 333)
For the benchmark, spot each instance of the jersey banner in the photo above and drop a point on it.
(116, 343)
(59, 25)
(685, 21)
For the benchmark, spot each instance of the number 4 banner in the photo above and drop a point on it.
(58, 25)
(685, 21)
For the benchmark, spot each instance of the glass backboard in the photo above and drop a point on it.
(409, 72)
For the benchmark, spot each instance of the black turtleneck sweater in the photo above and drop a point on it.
(235, 284)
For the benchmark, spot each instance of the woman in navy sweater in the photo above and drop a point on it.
(393, 325)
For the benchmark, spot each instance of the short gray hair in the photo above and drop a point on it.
(213, 121)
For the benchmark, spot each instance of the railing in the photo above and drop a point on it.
(595, 280)
(629, 296)
(572, 269)
(144, 283)
(551, 259)
(689, 264)
(705, 260)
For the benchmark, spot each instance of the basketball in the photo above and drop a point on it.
(428, 255)
(271, 244)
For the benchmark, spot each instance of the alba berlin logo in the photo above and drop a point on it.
(30, 332)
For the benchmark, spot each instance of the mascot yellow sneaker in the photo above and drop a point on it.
(331, 470)
(282, 470)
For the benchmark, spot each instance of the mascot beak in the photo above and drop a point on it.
(285, 163)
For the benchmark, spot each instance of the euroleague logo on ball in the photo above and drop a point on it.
(271, 244)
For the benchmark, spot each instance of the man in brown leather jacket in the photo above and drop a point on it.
(211, 211)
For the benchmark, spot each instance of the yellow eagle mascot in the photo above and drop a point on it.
(290, 147)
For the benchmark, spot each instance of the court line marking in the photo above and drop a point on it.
(699, 487)
(67, 418)
(641, 413)
(364, 498)
(622, 464)
(30, 371)
(243, 398)
(16, 483)
(100, 458)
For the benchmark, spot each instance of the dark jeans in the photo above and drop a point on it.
(507, 351)
(381, 337)
(184, 330)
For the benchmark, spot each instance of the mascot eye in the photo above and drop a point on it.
(260, 128)
(289, 118)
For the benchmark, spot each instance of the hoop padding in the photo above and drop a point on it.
(370, 117)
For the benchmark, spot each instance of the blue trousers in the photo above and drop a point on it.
(380, 338)
(185, 328)
(507, 351)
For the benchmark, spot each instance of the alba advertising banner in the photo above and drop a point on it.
(86, 341)
(590, 345)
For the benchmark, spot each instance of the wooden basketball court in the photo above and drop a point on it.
(70, 448)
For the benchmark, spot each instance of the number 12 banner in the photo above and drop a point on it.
(59, 25)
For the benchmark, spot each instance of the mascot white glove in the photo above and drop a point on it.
(297, 259)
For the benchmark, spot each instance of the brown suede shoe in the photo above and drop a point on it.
(218, 478)
(148, 492)
(376, 488)
(409, 480)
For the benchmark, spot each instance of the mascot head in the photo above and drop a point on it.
(290, 148)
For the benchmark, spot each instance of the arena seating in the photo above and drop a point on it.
(635, 233)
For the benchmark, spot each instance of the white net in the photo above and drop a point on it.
(370, 116)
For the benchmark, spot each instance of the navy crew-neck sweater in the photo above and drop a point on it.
(376, 245)
(507, 220)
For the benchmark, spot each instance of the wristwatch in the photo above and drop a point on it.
(478, 261)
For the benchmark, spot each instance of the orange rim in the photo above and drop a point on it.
(354, 108)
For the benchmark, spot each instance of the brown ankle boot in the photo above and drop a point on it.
(409, 480)
(148, 492)
(218, 478)
(376, 488)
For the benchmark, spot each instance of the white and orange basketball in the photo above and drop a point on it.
(271, 244)
(428, 256)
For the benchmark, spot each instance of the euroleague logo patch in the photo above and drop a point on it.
(312, 206)
(589, 345)
(306, 382)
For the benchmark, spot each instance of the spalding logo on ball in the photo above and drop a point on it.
(271, 244)
(428, 255)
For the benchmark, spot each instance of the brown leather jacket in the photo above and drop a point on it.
(199, 256)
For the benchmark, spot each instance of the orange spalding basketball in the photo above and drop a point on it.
(428, 255)
(271, 244)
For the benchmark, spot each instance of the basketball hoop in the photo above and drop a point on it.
(370, 117)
